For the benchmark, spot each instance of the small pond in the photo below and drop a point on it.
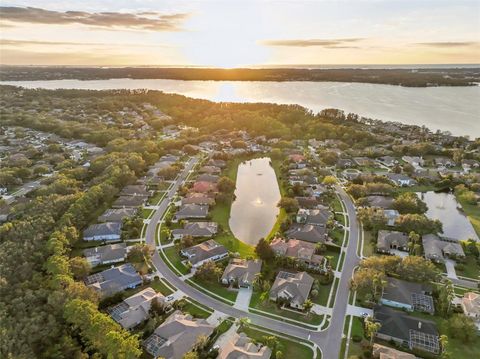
(444, 207)
(254, 210)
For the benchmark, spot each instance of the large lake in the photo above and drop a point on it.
(455, 109)
(443, 206)
(254, 210)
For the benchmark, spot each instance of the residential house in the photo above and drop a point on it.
(471, 305)
(302, 251)
(293, 287)
(307, 202)
(109, 231)
(391, 240)
(401, 180)
(111, 253)
(204, 187)
(191, 211)
(196, 229)
(411, 332)
(415, 161)
(408, 295)
(307, 232)
(135, 309)
(438, 249)
(380, 201)
(239, 346)
(444, 162)
(468, 165)
(176, 336)
(363, 161)
(117, 215)
(208, 178)
(203, 252)
(135, 190)
(344, 163)
(388, 161)
(217, 163)
(316, 217)
(198, 198)
(241, 271)
(114, 280)
(129, 202)
(383, 352)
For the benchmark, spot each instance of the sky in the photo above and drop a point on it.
(235, 33)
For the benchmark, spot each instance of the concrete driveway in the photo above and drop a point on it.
(450, 265)
(243, 299)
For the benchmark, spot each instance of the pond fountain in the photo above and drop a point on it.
(254, 210)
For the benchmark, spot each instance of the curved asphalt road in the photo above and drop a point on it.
(328, 340)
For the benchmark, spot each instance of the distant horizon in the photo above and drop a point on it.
(269, 66)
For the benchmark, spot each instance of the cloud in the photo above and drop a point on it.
(327, 43)
(152, 21)
(448, 44)
(20, 43)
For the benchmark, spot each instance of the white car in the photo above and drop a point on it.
(169, 298)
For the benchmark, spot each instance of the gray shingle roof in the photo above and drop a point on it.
(176, 336)
(297, 285)
(117, 215)
(397, 324)
(103, 229)
(107, 253)
(114, 280)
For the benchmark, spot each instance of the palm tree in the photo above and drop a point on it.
(307, 306)
(243, 323)
(371, 328)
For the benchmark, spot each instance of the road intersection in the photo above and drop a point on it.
(328, 340)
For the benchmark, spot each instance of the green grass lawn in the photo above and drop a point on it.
(216, 288)
(174, 256)
(156, 198)
(195, 309)
(473, 214)
(369, 244)
(472, 268)
(290, 348)
(335, 254)
(419, 188)
(146, 212)
(276, 227)
(340, 218)
(355, 348)
(161, 287)
(271, 307)
(323, 293)
(337, 206)
(337, 235)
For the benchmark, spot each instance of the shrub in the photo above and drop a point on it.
(357, 338)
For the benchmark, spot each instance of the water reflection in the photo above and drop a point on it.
(444, 207)
(254, 210)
